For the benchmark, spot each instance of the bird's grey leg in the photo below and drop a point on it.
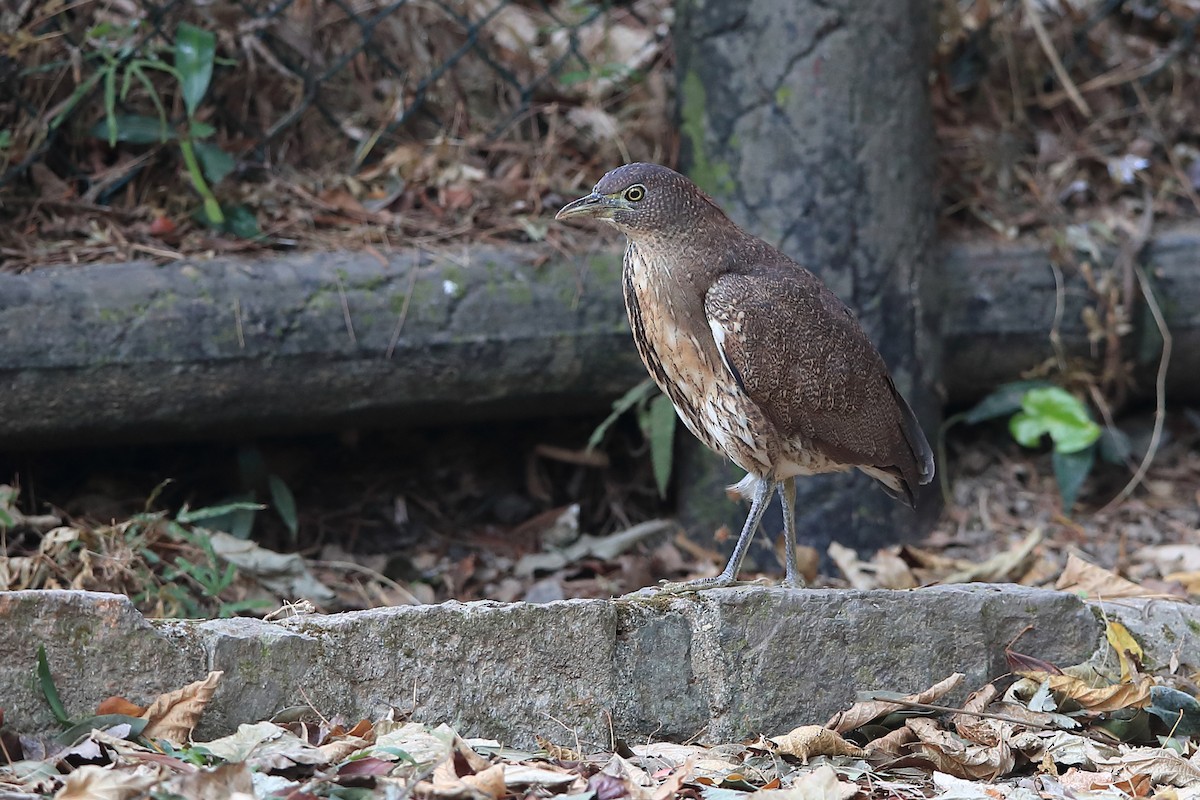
(787, 498)
(763, 489)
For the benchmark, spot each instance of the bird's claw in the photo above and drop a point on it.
(700, 584)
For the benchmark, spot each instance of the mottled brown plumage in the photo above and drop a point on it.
(763, 363)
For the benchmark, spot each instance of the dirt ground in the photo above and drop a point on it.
(425, 516)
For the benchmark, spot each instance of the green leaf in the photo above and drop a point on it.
(631, 398)
(241, 222)
(200, 130)
(155, 492)
(1132, 728)
(6, 520)
(195, 49)
(1070, 471)
(135, 129)
(215, 162)
(659, 426)
(110, 104)
(1178, 710)
(1005, 400)
(285, 504)
(1115, 447)
(1055, 411)
(46, 681)
(101, 722)
(189, 516)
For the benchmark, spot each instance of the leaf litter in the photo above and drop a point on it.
(1078, 732)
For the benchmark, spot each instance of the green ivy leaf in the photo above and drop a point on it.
(195, 49)
(241, 222)
(191, 516)
(1055, 411)
(135, 129)
(631, 398)
(1005, 400)
(1178, 710)
(214, 161)
(1070, 471)
(285, 504)
(658, 423)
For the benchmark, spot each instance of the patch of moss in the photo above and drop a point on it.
(710, 174)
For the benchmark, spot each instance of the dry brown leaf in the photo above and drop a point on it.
(635, 780)
(820, 784)
(1002, 567)
(893, 745)
(225, 782)
(90, 782)
(980, 730)
(1128, 650)
(1101, 698)
(1078, 780)
(445, 783)
(544, 775)
(1163, 766)
(476, 762)
(557, 752)
(119, 705)
(885, 570)
(814, 740)
(1096, 583)
(341, 748)
(673, 783)
(952, 755)
(861, 713)
(1190, 581)
(174, 715)
(489, 782)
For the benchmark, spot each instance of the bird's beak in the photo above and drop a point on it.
(594, 205)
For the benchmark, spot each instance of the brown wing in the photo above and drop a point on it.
(800, 354)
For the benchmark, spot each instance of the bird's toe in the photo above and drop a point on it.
(700, 584)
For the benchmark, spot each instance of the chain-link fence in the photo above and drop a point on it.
(287, 121)
(123, 102)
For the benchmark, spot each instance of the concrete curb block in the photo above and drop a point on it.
(721, 665)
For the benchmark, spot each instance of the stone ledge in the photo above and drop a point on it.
(723, 664)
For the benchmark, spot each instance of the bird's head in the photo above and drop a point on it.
(643, 200)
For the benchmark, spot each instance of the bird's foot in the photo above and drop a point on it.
(793, 583)
(700, 584)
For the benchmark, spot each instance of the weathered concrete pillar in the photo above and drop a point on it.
(808, 121)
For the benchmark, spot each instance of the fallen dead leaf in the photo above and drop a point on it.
(863, 712)
(893, 745)
(1128, 650)
(1097, 699)
(174, 715)
(91, 782)
(1162, 765)
(974, 728)
(1096, 583)
(814, 740)
(223, 782)
(952, 755)
(821, 783)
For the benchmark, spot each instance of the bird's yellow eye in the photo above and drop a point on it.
(635, 193)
